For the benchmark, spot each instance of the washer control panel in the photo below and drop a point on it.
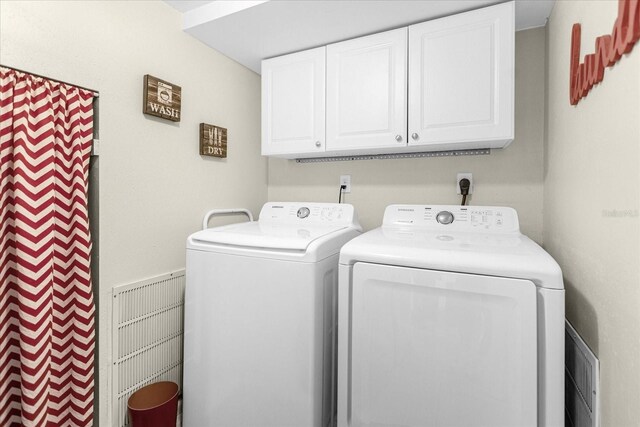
(309, 213)
(453, 217)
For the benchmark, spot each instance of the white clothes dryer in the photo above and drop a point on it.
(449, 316)
(260, 315)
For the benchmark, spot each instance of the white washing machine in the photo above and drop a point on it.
(260, 314)
(449, 316)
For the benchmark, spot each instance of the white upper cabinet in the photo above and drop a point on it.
(367, 93)
(461, 80)
(445, 84)
(293, 104)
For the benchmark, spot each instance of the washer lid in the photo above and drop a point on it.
(276, 236)
(298, 231)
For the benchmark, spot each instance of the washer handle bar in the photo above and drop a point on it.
(218, 212)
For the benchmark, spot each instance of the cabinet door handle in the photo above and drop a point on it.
(415, 136)
(399, 138)
(318, 144)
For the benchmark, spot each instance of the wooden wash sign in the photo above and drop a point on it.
(161, 98)
(213, 141)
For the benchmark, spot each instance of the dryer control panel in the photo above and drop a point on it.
(335, 214)
(453, 217)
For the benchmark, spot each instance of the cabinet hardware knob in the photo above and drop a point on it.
(415, 136)
(399, 138)
(318, 144)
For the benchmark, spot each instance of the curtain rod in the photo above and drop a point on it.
(95, 92)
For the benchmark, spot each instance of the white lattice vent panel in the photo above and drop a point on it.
(582, 372)
(148, 327)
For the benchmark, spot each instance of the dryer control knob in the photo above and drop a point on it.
(303, 213)
(444, 217)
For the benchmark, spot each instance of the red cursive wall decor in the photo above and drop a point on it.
(609, 49)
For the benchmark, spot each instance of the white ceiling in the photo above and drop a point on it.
(249, 31)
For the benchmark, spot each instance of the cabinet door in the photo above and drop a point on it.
(293, 102)
(366, 92)
(461, 79)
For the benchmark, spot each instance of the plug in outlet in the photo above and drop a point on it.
(346, 181)
(461, 176)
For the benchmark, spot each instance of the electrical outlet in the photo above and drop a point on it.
(346, 181)
(467, 175)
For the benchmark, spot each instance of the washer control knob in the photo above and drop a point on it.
(444, 217)
(303, 213)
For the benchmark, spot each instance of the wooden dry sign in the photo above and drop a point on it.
(161, 99)
(213, 141)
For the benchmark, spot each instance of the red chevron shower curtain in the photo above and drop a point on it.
(46, 303)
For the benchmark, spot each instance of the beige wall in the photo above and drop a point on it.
(154, 187)
(592, 169)
(509, 177)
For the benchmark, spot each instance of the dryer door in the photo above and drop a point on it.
(432, 348)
